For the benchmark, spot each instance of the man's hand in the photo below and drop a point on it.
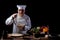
(14, 15)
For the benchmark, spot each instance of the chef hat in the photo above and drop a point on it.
(21, 7)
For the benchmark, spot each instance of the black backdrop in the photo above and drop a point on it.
(41, 13)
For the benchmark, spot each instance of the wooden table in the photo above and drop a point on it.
(24, 37)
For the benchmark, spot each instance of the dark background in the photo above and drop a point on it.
(41, 13)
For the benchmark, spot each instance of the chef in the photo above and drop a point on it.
(21, 21)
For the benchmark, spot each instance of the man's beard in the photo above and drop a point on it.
(21, 14)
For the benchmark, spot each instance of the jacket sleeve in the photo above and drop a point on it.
(9, 21)
(28, 26)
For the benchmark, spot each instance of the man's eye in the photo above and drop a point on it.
(19, 10)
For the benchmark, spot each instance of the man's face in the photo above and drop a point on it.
(20, 11)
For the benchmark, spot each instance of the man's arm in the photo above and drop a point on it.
(9, 20)
(28, 26)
